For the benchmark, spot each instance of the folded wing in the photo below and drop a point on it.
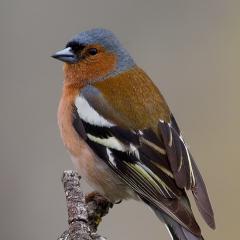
(158, 167)
(184, 168)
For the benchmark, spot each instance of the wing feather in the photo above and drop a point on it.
(138, 178)
(185, 169)
(158, 167)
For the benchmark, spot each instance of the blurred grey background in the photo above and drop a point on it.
(190, 48)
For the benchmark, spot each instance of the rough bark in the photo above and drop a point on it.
(84, 212)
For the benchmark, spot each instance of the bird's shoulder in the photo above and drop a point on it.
(133, 97)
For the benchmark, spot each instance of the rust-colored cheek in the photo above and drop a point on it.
(89, 69)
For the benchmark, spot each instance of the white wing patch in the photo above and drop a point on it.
(89, 115)
(134, 150)
(110, 142)
(110, 157)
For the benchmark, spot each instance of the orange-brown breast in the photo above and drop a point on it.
(134, 95)
(90, 167)
(65, 118)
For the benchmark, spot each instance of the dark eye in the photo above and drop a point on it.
(92, 51)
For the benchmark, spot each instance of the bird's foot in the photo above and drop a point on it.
(98, 206)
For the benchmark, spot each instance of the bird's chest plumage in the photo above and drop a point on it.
(88, 164)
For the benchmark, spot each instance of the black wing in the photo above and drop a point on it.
(146, 173)
(157, 167)
(184, 168)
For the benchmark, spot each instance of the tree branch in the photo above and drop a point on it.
(84, 213)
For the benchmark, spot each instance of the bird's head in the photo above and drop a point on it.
(93, 55)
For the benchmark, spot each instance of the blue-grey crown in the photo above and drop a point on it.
(107, 39)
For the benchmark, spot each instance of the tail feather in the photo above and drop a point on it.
(176, 231)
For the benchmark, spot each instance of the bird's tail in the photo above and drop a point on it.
(176, 231)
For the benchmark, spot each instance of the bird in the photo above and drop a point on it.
(122, 137)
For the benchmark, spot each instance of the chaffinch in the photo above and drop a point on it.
(122, 137)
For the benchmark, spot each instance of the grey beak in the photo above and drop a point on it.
(66, 55)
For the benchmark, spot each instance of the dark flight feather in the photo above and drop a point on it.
(201, 197)
(144, 187)
(176, 153)
(175, 229)
(188, 175)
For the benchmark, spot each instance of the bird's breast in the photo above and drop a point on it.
(93, 169)
(65, 118)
